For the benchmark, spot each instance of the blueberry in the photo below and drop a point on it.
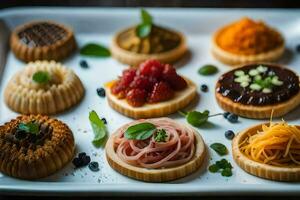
(101, 92)
(232, 118)
(94, 166)
(83, 64)
(229, 134)
(81, 155)
(77, 162)
(204, 88)
(225, 114)
(298, 48)
(104, 120)
(86, 160)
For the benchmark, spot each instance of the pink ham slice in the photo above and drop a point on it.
(177, 150)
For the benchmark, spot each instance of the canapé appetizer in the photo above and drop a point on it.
(270, 151)
(34, 146)
(42, 40)
(152, 90)
(148, 41)
(247, 41)
(254, 90)
(43, 87)
(155, 150)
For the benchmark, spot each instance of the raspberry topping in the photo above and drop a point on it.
(151, 82)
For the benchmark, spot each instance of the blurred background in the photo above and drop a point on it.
(157, 3)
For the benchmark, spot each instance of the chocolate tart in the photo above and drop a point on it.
(26, 155)
(180, 100)
(233, 59)
(64, 89)
(42, 40)
(252, 102)
(164, 45)
(260, 169)
(158, 174)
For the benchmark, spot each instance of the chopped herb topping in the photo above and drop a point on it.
(222, 166)
(29, 127)
(161, 135)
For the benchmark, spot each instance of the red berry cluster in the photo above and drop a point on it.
(151, 82)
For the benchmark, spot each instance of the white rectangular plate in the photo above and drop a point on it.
(99, 25)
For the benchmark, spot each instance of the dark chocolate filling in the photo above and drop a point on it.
(42, 34)
(29, 140)
(227, 87)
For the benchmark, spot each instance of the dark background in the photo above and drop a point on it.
(156, 3)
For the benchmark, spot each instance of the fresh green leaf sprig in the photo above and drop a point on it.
(140, 131)
(95, 50)
(41, 77)
(143, 30)
(99, 129)
(207, 70)
(196, 118)
(29, 127)
(222, 166)
(219, 148)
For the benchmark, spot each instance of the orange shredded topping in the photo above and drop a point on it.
(276, 144)
(248, 37)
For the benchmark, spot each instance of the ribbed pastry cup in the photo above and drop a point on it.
(134, 59)
(180, 100)
(260, 169)
(25, 96)
(235, 59)
(24, 162)
(156, 175)
(56, 51)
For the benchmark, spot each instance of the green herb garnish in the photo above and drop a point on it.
(94, 50)
(41, 77)
(143, 30)
(160, 136)
(99, 129)
(208, 70)
(222, 166)
(140, 131)
(197, 118)
(30, 127)
(219, 148)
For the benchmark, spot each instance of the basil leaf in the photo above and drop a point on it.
(140, 131)
(226, 172)
(219, 148)
(146, 17)
(29, 127)
(208, 70)
(143, 30)
(94, 50)
(196, 118)
(99, 129)
(41, 77)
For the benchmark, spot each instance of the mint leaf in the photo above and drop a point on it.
(219, 148)
(146, 17)
(94, 50)
(41, 77)
(208, 70)
(140, 131)
(143, 30)
(30, 127)
(99, 129)
(196, 118)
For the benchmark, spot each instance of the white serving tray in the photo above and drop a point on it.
(99, 25)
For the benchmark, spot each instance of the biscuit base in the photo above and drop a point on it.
(235, 59)
(180, 100)
(156, 175)
(258, 112)
(260, 169)
(134, 59)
